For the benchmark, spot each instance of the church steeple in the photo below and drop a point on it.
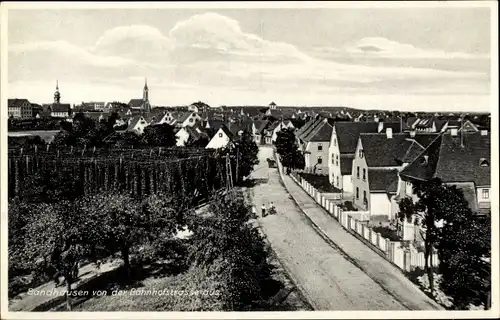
(145, 96)
(57, 95)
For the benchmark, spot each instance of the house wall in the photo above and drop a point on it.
(333, 165)
(357, 181)
(182, 137)
(347, 185)
(140, 125)
(311, 158)
(24, 111)
(379, 204)
(394, 208)
(484, 197)
(219, 140)
(191, 120)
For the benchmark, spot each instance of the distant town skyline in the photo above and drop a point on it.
(421, 59)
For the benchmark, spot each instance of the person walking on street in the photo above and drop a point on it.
(263, 208)
(271, 209)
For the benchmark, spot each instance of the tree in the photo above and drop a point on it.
(201, 142)
(288, 150)
(245, 154)
(120, 223)
(463, 250)
(436, 202)
(161, 135)
(56, 242)
(233, 250)
(115, 220)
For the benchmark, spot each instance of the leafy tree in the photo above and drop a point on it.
(464, 246)
(128, 139)
(161, 135)
(56, 242)
(120, 223)
(436, 202)
(115, 221)
(245, 154)
(288, 150)
(201, 142)
(112, 121)
(233, 250)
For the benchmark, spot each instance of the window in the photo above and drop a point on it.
(220, 135)
(486, 193)
(320, 147)
(333, 158)
(364, 174)
(357, 172)
(190, 119)
(365, 199)
(320, 160)
(338, 181)
(408, 188)
(357, 193)
(360, 153)
(334, 141)
(337, 159)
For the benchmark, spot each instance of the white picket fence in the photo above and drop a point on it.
(355, 222)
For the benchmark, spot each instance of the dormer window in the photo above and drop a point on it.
(484, 163)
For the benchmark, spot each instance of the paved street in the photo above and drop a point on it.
(329, 279)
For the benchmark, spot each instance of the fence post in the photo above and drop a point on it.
(349, 222)
(378, 240)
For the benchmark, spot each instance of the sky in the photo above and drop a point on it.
(382, 58)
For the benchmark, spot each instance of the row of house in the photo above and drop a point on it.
(374, 164)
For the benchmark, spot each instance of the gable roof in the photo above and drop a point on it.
(60, 107)
(133, 122)
(16, 103)
(260, 125)
(346, 164)
(381, 180)
(348, 132)
(446, 159)
(311, 128)
(135, 103)
(322, 132)
(306, 126)
(379, 151)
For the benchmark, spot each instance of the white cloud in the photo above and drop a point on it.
(385, 48)
(209, 55)
(137, 42)
(217, 32)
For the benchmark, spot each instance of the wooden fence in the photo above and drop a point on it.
(400, 253)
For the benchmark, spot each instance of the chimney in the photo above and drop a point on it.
(380, 127)
(413, 132)
(388, 132)
(454, 132)
(484, 132)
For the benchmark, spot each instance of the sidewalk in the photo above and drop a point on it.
(380, 270)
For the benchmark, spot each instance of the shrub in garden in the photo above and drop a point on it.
(233, 250)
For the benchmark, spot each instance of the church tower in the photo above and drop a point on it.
(145, 97)
(57, 95)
